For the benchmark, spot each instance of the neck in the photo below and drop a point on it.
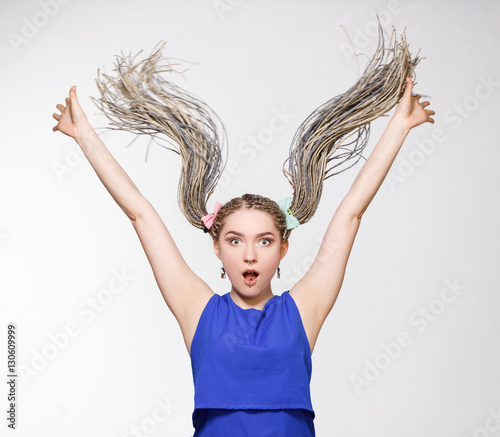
(246, 301)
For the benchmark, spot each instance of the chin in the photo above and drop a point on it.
(252, 290)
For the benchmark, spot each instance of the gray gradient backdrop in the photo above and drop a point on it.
(411, 345)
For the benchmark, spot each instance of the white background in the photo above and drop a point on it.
(434, 223)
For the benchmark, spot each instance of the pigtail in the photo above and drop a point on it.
(141, 101)
(320, 147)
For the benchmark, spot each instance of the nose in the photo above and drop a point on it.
(250, 256)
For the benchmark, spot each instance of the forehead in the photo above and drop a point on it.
(248, 221)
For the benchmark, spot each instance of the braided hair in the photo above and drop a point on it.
(140, 100)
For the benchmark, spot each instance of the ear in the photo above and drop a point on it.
(217, 249)
(284, 249)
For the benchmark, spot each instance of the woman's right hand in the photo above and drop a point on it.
(72, 121)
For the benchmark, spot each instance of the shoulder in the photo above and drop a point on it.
(285, 301)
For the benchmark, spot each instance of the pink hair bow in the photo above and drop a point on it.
(208, 219)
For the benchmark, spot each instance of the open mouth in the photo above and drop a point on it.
(250, 277)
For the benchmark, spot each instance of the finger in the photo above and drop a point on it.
(67, 100)
(56, 116)
(426, 103)
(430, 112)
(55, 128)
(74, 98)
(417, 96)
(60, 107)
(409, 88)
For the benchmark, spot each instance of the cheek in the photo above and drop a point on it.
(271, 259)
(231, 261)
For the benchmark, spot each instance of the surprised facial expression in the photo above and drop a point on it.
(250, 240)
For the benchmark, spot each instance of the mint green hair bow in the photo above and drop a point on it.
(291, 221)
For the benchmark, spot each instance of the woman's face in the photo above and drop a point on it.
(249, 239)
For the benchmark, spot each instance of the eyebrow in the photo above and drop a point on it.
(241, 235)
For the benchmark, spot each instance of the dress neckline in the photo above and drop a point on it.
(247, 309)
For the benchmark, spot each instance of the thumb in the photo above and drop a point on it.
(408, 89)
(75, 105)
(72, 95)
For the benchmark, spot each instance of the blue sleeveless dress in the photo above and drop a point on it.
(251, 370)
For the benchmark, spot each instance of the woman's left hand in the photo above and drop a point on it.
(410, 111)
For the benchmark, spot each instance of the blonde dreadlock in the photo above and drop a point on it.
(319, 145)
(141, 101)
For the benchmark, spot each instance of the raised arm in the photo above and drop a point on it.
(73, 122)
(317, 291)
(184, 292)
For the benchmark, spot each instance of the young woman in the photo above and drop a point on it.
(250, 349)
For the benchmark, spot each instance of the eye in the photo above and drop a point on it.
(233, 239)
(266, 240)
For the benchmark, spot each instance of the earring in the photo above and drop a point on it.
(278, 270)
(222, 272)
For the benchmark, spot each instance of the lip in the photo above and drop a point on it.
(251, 270)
